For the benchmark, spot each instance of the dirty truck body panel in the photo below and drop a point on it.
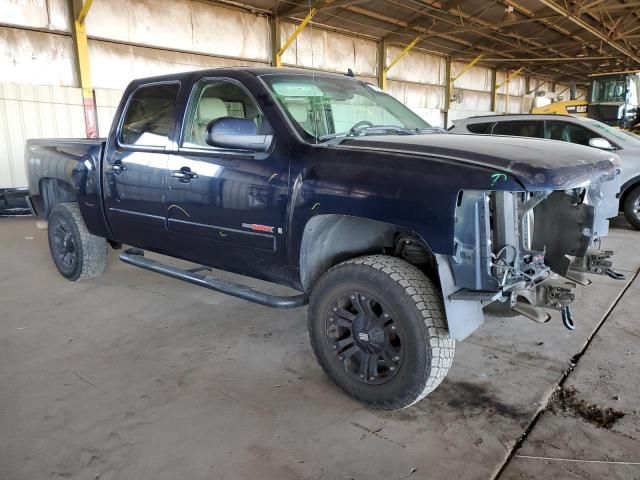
(251, 212)
(68, 169)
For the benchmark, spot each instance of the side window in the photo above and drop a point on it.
(148, 116)
(569, 132)
(213, 99)
(519, 128)
(482, 128)
(557, 131)
(580, 135)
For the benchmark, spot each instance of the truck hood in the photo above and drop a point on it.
(536, 163)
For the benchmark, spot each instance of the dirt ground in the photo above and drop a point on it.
(138, 376)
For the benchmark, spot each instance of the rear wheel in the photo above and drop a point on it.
(631, 207)
(378, 329)
(77, 254)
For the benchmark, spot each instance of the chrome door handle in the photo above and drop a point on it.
(185, 174)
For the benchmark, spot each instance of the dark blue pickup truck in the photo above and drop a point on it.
(397, 234)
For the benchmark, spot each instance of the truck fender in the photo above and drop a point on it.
(331, 238)
(463, 316)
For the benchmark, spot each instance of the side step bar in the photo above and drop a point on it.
(135, 256)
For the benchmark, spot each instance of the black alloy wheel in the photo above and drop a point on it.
(364, 337)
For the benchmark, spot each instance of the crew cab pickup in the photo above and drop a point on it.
(397, 234)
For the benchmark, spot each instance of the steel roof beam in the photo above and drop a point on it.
(325, 5)
(588, 28)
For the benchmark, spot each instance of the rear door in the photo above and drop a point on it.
(135, 175)
(227, 207)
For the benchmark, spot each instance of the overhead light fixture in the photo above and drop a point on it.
(509, 15)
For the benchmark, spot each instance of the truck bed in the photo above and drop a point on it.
(74, 163)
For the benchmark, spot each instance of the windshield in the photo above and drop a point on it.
(321, 107)
(614, 135)
(608, 90)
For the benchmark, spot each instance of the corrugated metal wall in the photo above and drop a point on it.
(332, 52)
(28, 111)
(417, 80)
(107, 101)
(471, 92)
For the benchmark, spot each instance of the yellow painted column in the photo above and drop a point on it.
(294, 35)
(81, 47)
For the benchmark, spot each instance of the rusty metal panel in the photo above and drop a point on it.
(517, 84)
(426, 100)
(114, 65)
(515, 104)
(562, 89)
(222, 31)
(328, 51)
(107, 101)
(416, 67)
(475, 78)
(30, 111)
(34, 13)
(182, 25)
(33, 57)
(471, 103)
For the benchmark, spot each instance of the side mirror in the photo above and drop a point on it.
(240, 133)
(601, 143)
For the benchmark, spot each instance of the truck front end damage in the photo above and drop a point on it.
(523, 253)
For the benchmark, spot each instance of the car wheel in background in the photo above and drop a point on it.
(631, 207)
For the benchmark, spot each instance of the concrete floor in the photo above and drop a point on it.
(138, 376)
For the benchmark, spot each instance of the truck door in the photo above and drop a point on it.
(227, 207)
(135, 170)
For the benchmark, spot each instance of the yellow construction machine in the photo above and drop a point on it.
(612, 98)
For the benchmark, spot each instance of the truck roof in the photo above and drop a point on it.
(515, 116)
(256, 71)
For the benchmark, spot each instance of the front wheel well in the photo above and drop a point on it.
(331, 239)
(626, 188)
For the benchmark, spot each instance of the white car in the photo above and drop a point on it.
(566, 128)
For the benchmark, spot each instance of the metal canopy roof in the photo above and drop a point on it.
(560, 40)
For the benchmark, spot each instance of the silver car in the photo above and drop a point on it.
(583, 131)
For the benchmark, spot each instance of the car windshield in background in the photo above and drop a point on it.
(609, 90)
(615, 134)
(322, 107)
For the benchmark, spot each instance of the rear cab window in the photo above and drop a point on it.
(149, 112)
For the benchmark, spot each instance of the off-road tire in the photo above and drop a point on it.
(628, 207)
(89, 258)
(415, 303)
